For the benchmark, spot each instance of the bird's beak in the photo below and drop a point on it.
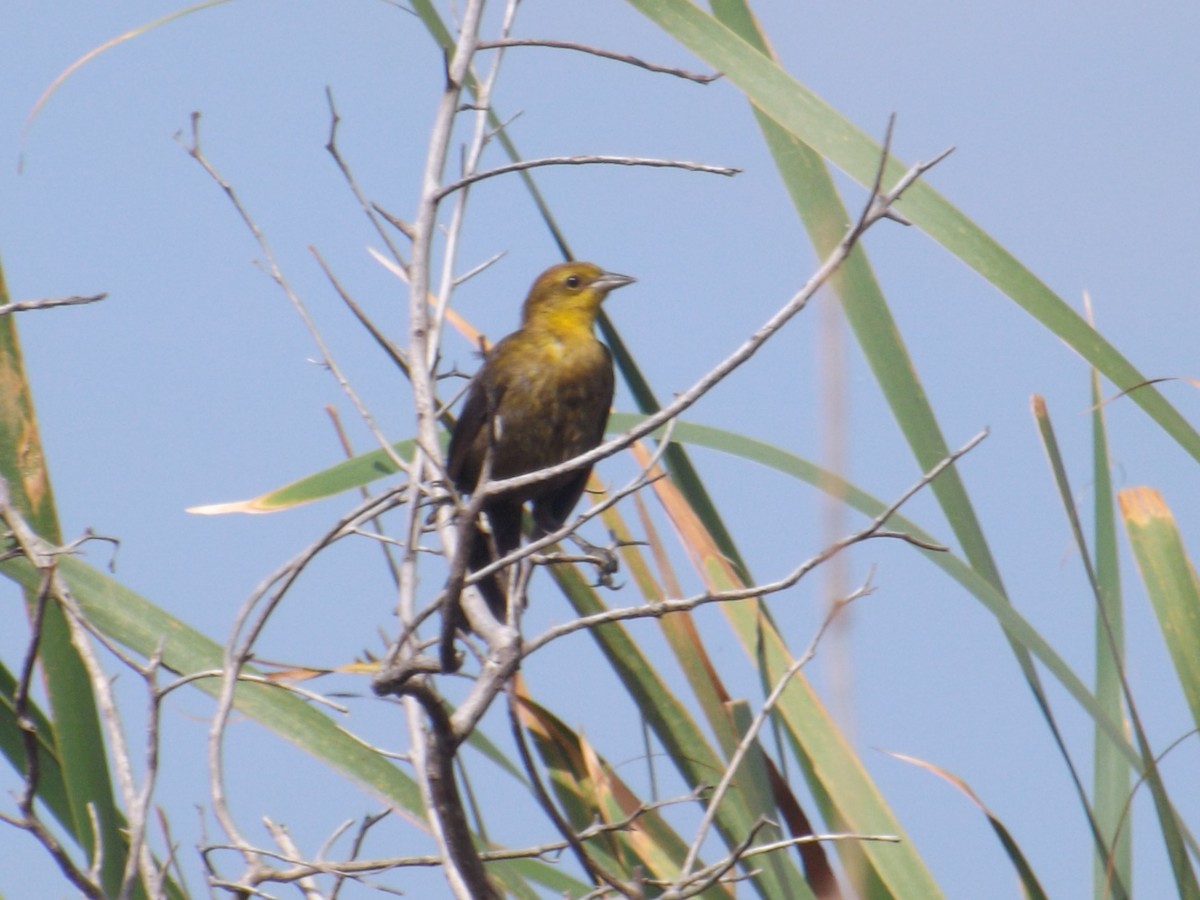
(610, 281)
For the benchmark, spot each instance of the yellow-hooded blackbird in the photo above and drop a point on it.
(542, 397)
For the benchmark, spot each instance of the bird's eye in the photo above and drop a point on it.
(572, 281)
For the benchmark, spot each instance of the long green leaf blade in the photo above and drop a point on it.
(79, 738)
(1059, 470)
(1170, 581)
(1112, 774)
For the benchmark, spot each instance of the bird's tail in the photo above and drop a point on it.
(505, 522)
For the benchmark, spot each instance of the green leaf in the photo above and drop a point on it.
(347, 475)
(141, 626)
(1171, 583)
(1059, 470)
(52, 790)
(1111, 775)
(1029, 881)
(79, 739)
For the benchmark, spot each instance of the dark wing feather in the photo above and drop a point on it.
(464, 461)
(465, 455)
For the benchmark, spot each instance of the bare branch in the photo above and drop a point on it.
(606, 54)
(369, 209)
(42, 557)
(664, 607)
(461, 872)
(586, 161)
(394, 353)
(367, 824)
(353, 868)
(716, 872)
(648, 475)
(502, 664)
(27, 305)
(307, 884)
(503, 661)
(246, 631)
(447, 814)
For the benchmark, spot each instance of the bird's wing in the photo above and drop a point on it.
(464, 459)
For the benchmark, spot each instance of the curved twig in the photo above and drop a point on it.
(585, 161)
(606, 54)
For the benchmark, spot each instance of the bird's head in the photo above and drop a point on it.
(570, 294)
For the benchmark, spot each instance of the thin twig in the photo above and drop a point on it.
(532, 548)
(369, 209)
(275, 272)
(368, 822)
(703, 878)
(394, 353)
(307, 884)
(269, 593)
(549, 851)
(385, 543)
(606, 54)
(27, 305)
(586, 161)
(750, 738)
(663, 607)
(42, 557)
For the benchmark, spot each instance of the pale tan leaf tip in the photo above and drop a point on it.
(941, 773)
(1038, 402)
(1140, 505)
(221, 509)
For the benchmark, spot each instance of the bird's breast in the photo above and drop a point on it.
(554, 404)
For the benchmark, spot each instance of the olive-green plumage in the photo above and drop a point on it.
(547, 389)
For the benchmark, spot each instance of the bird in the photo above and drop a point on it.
(541, 397)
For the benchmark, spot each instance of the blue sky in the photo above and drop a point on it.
(1075, 129)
